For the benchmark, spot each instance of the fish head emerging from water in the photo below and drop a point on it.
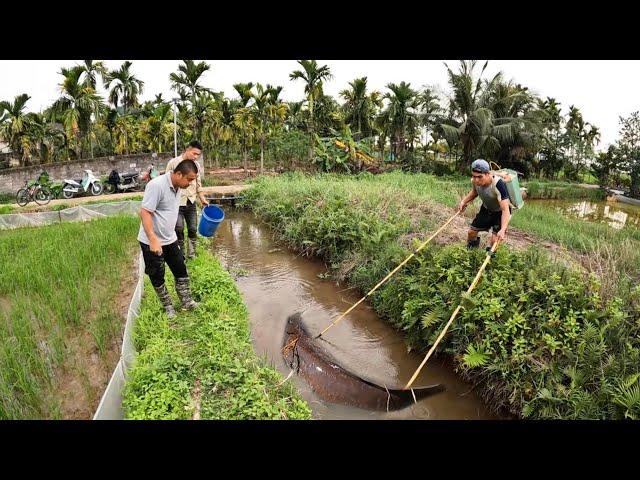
(294, 325)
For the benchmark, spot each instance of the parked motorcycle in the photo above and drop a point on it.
(89, 183)
(121, 183)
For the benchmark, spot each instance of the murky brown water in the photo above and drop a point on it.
(276, 283)
(615, 214)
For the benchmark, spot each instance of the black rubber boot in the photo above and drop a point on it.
(473, 243)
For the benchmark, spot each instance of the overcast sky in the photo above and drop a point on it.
(602, 89)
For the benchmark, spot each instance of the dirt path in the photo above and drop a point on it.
(226, 190)
(457, 230)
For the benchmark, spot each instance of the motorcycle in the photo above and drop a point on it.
(88, 183)
(121, 183)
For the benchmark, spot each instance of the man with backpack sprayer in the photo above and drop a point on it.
(495, 212)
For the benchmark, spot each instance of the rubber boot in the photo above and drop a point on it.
(165, 299)
(191, 248)
(184, 293)
(475, 243)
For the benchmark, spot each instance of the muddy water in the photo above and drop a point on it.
(615, 214)
(276, 283)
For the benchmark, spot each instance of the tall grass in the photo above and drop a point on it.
(55, 282)
(546, 189)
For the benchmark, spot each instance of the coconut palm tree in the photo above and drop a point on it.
(76, 105)
(14, 122)
(125, 89)
(471, 119)
(313, 76)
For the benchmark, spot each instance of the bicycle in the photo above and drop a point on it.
(41, 194)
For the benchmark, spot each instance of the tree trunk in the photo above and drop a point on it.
(635, 182)
(261, 154)
(244, 159)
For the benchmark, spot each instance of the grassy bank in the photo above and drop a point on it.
(202, 364)
(58, 319)
(545, 189)
(542, 340)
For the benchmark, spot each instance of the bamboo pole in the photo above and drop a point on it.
(455, 313)
(389, 275)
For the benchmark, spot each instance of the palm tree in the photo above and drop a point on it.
(296, 116)
(267, 109)
(220, 123)
(76, 105)
(313, 76)
(43, 137)
(244, 123)
(186, 80)
(400, 117)
(517, 126)
(360, 107)
(470, 120)
(575, 129)
(126, 89)
(158, 128)
(552, 137)
(14, 122)
(91, 70)
(244, 91)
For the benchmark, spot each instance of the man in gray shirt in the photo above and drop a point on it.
(495, 211)
(157, 235)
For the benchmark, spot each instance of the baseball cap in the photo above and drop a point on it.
(480, 165)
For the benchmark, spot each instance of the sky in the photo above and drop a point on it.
(603, 90)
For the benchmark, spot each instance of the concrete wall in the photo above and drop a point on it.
(13, 178)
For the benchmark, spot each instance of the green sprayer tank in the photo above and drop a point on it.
(513, 186)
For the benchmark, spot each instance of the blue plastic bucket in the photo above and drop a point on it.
(211, 217)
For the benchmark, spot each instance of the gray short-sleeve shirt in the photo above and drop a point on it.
(163, 200)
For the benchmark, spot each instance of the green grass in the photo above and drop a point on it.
(7, 198)
(5, 209)
(545, 189)
(209, 351)
(541, 340)
(56, 281)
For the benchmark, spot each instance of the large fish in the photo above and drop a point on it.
(336, 385)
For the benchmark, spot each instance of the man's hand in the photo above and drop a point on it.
(204, 201)
(501, 234)
(462, 206)
(155, 247)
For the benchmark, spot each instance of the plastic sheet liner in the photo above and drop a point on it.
(81, 213)
(110, 407)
